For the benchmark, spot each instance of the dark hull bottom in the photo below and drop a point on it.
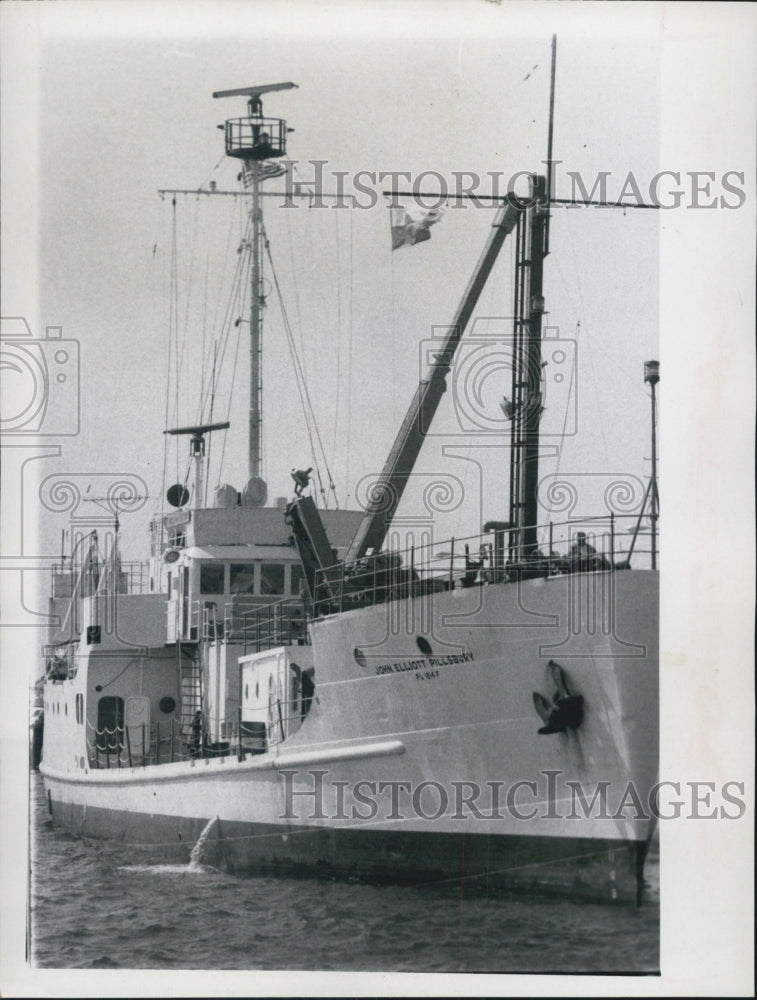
(602, 870)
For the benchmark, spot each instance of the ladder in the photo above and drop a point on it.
(190, 690)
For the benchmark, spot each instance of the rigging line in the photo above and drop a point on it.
(134, 659)
(213, 387)
(392, 333)
(233, 223)
(204, 338)
(220, 161)
(234, 294)
(210, 421)
(168, 360)
(338, 333)
(237, 304)
(294, 272)
(175, 328)
(302, 357)
(230, 309)
(302, 386)
(236, 300)
(194, 230)
(228, 408)
(349, 363)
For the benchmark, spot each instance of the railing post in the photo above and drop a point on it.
(451, 563)
(157, 742)
(172, 745)
(144, 759)
(612, 539)
(128, 745)
(240, 752)
(550, 539)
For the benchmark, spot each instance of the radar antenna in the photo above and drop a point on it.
(197, 452)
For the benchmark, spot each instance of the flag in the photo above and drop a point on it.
(265, 171)
(410, 227)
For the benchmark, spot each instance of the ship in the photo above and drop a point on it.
(311, 691)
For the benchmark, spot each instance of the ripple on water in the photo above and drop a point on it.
(99, 905)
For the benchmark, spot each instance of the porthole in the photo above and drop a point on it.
(167, 705)
(65, 709)
(423, 645)
(359, 656)
(246, 693)
(98, 687)
(257, 689)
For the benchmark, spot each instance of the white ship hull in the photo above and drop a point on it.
(420, 766)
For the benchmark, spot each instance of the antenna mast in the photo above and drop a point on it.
(532, 246)
(550, 192)
(254, 140)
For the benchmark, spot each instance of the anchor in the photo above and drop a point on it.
(566, 710)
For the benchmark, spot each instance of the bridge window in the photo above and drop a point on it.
(211, 578)
(295, 580)
(176, 537)
(272, 578)
(242, 578)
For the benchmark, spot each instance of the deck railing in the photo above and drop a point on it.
(496, 556)
(133, 578)
(281, 624)
(252, 731)
(256, 626)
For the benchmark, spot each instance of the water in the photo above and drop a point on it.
(98, 905)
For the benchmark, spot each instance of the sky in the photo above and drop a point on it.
(105, 103)
(123, 117)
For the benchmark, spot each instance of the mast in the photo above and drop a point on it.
(254, 140)
(652, 377)
(255, 458)
(526, 407)
(551, 129)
